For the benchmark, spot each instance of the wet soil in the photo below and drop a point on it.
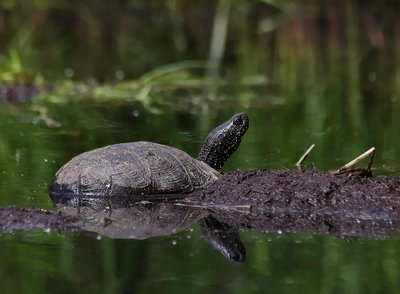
(13, 218)
(298, 201)
(273, 201)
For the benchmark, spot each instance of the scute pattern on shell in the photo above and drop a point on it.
(138, 168)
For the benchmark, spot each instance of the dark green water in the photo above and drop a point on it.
(34, 146)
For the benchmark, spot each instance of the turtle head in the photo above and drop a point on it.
(224, 140)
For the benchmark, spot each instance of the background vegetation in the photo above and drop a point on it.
(292, 43)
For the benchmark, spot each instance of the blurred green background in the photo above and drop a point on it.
(341, 44)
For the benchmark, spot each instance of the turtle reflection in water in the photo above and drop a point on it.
(143, 170)
(125, 218)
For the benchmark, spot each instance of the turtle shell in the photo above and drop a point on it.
(139, 168)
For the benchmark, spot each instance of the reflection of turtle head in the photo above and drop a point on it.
(223, 238)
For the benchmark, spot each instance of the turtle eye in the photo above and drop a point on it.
(238, 121)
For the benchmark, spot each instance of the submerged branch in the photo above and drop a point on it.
(232, 208)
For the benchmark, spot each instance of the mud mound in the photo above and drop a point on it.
(14, 218)
(292, 201)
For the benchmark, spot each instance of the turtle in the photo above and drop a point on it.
(145, 168)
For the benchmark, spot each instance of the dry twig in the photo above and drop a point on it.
(236, 208)
(346, 168)
(305, 155)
